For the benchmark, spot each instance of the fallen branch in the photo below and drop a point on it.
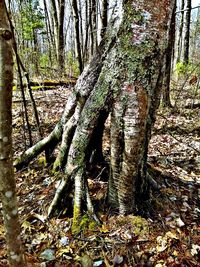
(66, 83)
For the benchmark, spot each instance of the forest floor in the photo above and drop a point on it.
(169, 233)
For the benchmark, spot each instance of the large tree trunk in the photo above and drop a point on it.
(137, 61)
(124, 78)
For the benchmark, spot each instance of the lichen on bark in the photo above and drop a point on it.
(140, 50)
(123, 79)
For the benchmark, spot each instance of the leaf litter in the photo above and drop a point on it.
(167, 236)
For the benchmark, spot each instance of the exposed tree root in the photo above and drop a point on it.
(152, 183)
(48, 142)
(68, 132)
(123, 78)
(84, 86)
(65, 186)
(77, 155)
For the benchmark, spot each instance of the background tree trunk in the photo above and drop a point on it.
(77, 35)
(104, 17)
(61, 52)
(180, 36)
(195, 44)
(94, 25)
(7, 181)
(55, 22)
(85, 49)
(169, 62)
(187, 32)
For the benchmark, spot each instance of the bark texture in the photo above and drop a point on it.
(58, 14)
(61, 41)
(104, 17)
(124, 78)
(180, 37)
(7, 181)
(187, 32)
(169, 62)
(137, 64)
(77, 34)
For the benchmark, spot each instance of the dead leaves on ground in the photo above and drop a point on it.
(171, 238)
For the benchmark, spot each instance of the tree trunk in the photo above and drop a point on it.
(77, 34)
(123, 78)
(195, 43)
(104, 18)
(55, 23)
(58, 14)
(187, 32)
(61, 43)
(94, 25)
(7, 181)
(85, 51)
(168, 62)
(36, 52)
(180, 41)
(51, 40)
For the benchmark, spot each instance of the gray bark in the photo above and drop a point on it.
(187, 32)
(137, 98)
(104, 17)
(180, 41)
(124, 78)
(58, 14)
(84, 86)
(169, 62)
(61, 43)
(77, 34)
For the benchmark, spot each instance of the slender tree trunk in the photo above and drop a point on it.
(91, 28)
(19, 66)
(80, 8)
(51, 40)
(7, 181)
(94, 24)
(61, 57)
(168, 62)
(77, 34)
(187, 32)
(195, 36)
(180, 36)
(55, 14)
(55, 25)
(36, 52)
(86, 48)
(104, 17)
